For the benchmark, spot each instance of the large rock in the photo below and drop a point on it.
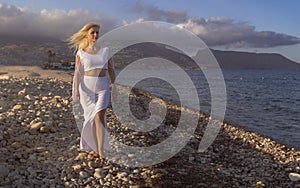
(294, 176)
(17, 107)
(4, 77)
(35, 127)
(44, 129)
(22, 92)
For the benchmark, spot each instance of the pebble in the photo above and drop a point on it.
(97, 174)
(76, 167)
(130, 155)
(83, 174)
(121, 175)
(3, 170)
(29, 97)
(191, 158)
(40, 149)
(92, 164)
(32, 157)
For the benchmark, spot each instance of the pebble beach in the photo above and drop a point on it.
(39, 143)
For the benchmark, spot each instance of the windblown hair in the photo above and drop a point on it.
(79, 40)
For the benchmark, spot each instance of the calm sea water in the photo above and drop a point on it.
(264, 101)
(267, 102)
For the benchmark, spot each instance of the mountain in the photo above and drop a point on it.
(227, 60)
(34, 51)
(231, 60)
(18, 50)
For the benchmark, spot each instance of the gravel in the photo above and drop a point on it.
(39, 147)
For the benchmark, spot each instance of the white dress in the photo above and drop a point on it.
(94, 96)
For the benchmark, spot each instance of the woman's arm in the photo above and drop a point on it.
(112, 75)
(76, 79)
(111, 70)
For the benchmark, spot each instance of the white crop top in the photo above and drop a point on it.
(94, 61)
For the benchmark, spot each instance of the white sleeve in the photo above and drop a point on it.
(77, 74)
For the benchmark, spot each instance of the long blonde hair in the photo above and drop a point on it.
(79, 39)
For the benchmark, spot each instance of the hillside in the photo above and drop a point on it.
(230, 60)
(34, 51)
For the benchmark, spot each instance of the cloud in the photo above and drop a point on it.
(155, 13)
(50, 23)
(223, 31)
(217, 31)
(214, 31)
(134, 21)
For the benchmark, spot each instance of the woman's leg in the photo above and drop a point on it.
(99, 130)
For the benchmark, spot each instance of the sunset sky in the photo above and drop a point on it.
(254, 26)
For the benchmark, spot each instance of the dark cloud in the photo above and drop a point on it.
(49, 23)
(155, 13)
(217, 31)
(223, 31)
(270, 39)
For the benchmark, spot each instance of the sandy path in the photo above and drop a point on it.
(34, 71)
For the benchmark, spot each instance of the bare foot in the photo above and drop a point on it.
(101, 156)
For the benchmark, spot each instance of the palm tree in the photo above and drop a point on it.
(49, 52)
(51, 56)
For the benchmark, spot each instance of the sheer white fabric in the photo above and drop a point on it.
(93, 61)
(94, 96)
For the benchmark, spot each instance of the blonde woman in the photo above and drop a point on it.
(91, 87)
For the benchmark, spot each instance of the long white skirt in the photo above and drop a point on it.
(94, 97)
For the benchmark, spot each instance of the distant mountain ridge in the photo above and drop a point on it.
(33, 51)
(231, 60)
(227, 60)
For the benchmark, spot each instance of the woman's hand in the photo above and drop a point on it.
(113, 92)
(76, 97)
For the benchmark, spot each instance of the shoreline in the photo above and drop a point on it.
(236, 158)
(207, 115)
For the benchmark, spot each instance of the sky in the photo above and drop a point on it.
(271, 26)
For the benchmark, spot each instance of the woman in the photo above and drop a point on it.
(91, 86)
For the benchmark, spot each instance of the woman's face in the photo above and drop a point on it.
(93, 34)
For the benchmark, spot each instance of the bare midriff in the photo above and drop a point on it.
(96, 73)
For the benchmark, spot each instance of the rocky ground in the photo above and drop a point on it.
(40, 145)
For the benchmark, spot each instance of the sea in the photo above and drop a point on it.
(264, 101)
